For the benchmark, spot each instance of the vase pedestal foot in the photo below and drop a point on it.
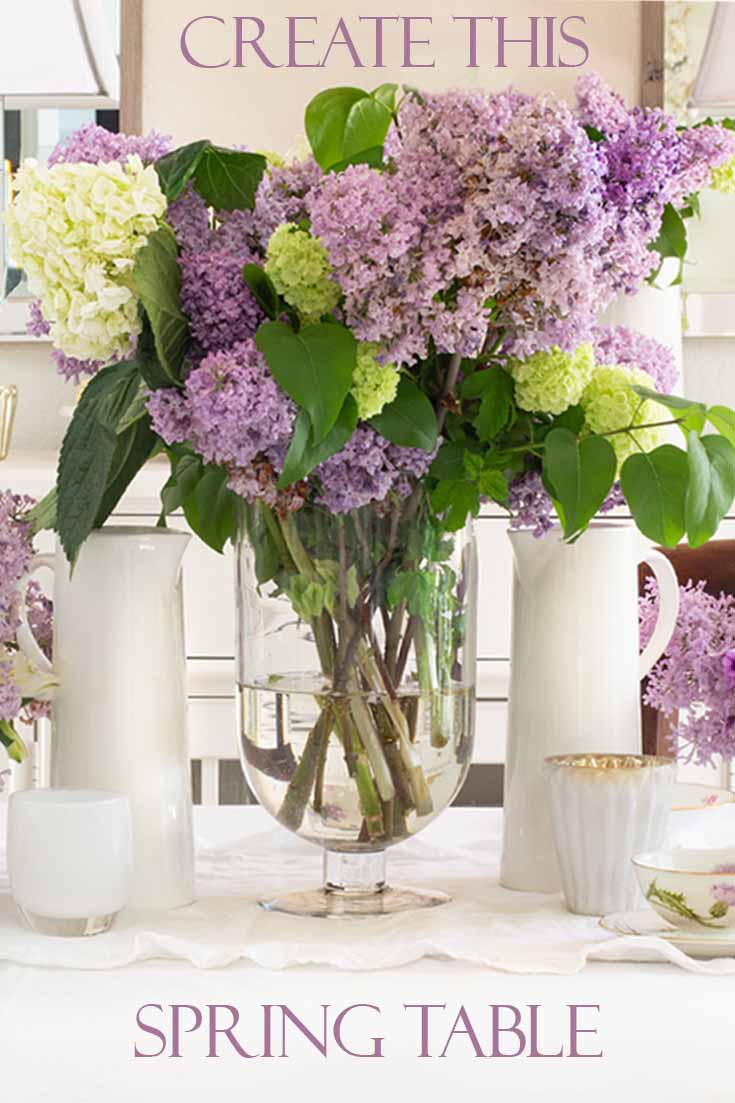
(330, 904)
(354, 886)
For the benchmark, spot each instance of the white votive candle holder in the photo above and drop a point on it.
(604, 809)
(69, 858)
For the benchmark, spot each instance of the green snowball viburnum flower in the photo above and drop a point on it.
(723, 178)
(374, 385)
(610, 403)
(551, 380)
(298, 265)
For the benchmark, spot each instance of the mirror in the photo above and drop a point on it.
(33, 120)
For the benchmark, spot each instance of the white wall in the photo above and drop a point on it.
(262, 108)
(41, 394)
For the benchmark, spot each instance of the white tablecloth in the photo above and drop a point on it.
(69, 1035)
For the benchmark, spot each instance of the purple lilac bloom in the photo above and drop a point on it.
(618, 345)
(490, 197)
(647, 162)
(95, 145)
(283, 196)
(40, 617)
(728, 668)
(725, 893)
(530, 505)
(691, 675)
(16, 553)
(215, 297)
(366, 470)
(232, 410)
(10, 696)
(599, 107)
(188, 216)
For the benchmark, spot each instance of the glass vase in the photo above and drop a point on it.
(356, 677)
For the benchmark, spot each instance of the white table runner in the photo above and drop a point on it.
(241, 858)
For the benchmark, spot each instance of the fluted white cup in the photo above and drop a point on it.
(604, 809)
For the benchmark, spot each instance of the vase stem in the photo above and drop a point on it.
(356, 874)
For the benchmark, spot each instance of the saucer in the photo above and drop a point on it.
(646, 924)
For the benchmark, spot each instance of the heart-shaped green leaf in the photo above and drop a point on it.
(263, 290)
(228, 179)
(314, 367)
(346, 126)
(711, 486)
(655, 487)
(176, 168)
(325, 120)
(303, 455)
(581, 473)
(157, 279)
(723, 419)
(409, 420)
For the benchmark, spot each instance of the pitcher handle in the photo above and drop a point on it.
(26, 640)
(668, 608)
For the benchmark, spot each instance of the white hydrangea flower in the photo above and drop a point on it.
(76, 229)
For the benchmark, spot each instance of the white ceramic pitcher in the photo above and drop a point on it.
(575, 672)
(119, 714)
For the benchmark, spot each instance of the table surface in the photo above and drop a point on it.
(71, 1036)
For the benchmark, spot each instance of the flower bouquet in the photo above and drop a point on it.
(25, 691)
(343, 357)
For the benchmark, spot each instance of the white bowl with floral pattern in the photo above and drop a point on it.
(692, 889)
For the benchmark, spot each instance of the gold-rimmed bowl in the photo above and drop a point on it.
(692, 889)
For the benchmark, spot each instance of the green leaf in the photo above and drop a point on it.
(723, 419)
(572, 419)
(409, 420)
(178, 167)
(671, 240)
(366, 126)
(12, 742)
(228, 179)
(387, 94)
(655, 487)
(374, 157)
(711, 486)
(581, 473)
(314, 367)
(345, 125)
(263, 290)
(88, 451)
(210, 508)
(493, 484)
(43, 514)
(496, 405)
(135, 446)
(594, 134)
(690, 415)
(157, 279)
(449, 463)
(325, 120)
(303, 455)
(186, 471)
(267, 553)
(454, 500)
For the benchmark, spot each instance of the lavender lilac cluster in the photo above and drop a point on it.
(627, 348)
(696, 671)
(646, 163)
(16, 553)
